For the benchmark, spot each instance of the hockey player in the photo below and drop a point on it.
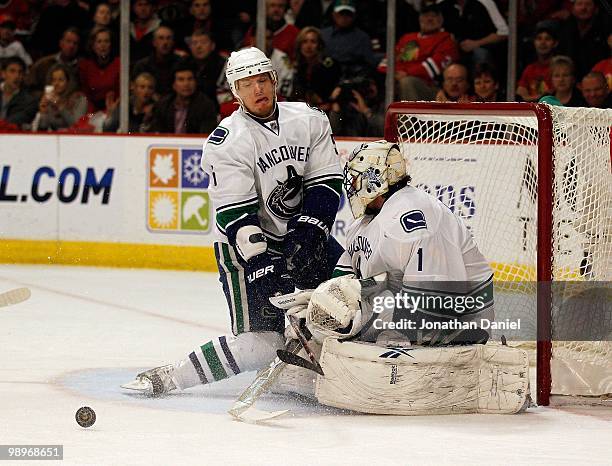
(275, 182)
(425, 250)
(437, 365)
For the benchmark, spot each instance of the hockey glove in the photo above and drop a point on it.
(306, 251)
(266, 276)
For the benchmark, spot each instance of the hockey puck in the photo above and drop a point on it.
(85, 416)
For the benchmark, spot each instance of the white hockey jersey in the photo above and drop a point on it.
(264, 168)
(415, 238)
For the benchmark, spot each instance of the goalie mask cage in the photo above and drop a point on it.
(533, 182)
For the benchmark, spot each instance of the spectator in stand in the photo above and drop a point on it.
(144, 24)
(420, 57)
(316, 75)
(186, 110)
(486, 84)
(584, 37)
(161, 61)
(17, 106)
(55, 18)
(478, 27)
(563, 77)
(535, 79)
(99, 73)
(605, 65)
(201, 18)
(9, 46)
(358, 108)
(67, 55)
(302, 13)
(284, 34)
(102, 16)
(455, 86)
(595, 90)
(25, 14)
(142, 99)
(348, 45)
(64, 105)
(209, 65)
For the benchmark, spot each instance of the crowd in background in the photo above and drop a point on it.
(60, 67)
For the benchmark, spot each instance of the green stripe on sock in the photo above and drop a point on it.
(238, 309)
(213, 361)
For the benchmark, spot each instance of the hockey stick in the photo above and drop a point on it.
(304, 335)
(16, 296)
(295, 360)
(243, 409)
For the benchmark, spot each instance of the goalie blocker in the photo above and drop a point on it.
(486, 379)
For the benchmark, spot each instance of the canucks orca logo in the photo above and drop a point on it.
(413, 220)
(286, 199)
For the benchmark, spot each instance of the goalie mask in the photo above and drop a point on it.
(371, 169)
(248, 62)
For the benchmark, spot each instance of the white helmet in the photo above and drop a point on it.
(371, 169)
(247, 62)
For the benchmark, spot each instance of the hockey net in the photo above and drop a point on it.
(534, 185)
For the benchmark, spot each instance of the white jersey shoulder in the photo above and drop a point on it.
(417, 236)
(232, 130)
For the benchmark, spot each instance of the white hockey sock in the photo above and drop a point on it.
(226, 356)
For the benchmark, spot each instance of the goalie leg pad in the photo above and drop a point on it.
(423, 381)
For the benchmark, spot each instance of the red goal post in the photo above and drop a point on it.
(496, 147)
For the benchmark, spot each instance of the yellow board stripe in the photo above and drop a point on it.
(174, 257)
(108, 254)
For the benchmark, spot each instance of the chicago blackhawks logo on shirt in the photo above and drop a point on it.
(286, 199)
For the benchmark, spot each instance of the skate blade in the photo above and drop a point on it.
(254, 415)
(138, 385)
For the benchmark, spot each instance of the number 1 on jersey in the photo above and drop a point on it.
(420, 255)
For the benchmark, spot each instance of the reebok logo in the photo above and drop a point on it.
(395, 352)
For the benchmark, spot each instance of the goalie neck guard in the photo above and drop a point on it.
(245, 63)
(371, 170)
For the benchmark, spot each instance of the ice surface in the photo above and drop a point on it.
(86, 330)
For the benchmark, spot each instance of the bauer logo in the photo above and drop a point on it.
(176, 191)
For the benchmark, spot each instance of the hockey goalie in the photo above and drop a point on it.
(407, 341)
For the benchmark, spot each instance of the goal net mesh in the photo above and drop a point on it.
(485, 169)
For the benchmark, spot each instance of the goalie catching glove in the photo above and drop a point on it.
(335, 308)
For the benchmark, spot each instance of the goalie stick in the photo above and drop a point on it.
(16, 296)
(243, 409)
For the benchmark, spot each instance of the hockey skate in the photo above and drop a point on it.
(155, 382)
